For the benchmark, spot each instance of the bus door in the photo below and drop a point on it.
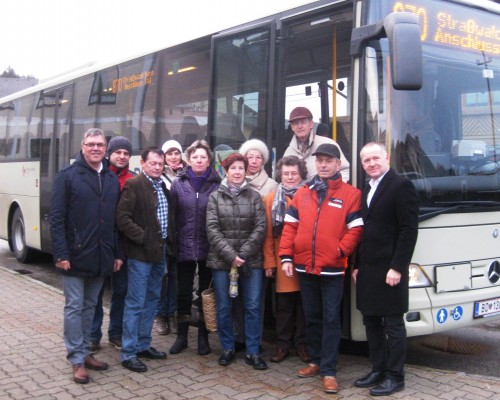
(316, 72)
(56, 116)
(241, 95)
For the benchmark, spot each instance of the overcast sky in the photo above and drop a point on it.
(44, 38)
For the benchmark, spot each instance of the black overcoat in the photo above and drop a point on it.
(388, 240)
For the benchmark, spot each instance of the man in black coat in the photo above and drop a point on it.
(82, 227)
(390, 216)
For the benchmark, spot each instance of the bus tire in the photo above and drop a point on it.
(21, 251)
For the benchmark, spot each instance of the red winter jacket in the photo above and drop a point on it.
(319, 238)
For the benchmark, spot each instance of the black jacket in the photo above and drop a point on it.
(388, 240)
(82, 219)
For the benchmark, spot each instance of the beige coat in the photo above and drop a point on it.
(262, 183)
(314, 142)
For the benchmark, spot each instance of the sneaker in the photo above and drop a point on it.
(94, 345)
(161, 325)
(116, 342)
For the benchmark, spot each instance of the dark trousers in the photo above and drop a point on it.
(387, 343)
(290, 321)
(185, 282)
(321, 298)
(167, 306)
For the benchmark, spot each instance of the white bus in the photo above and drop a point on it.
(421, 76)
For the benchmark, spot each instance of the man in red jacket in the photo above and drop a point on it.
(322, 228)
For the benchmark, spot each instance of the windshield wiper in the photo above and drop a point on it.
(460, 205)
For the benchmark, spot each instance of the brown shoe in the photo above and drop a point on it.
(279, 355)
(303, 354)
(310, 370)
(80, 374)
(330, 384)
(96, 365)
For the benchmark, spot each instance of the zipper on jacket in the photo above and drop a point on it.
(196, 227)
(313, 262)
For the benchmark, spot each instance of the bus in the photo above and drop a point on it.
(423, 77)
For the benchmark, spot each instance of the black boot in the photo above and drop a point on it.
(203, 345)
(181, 342)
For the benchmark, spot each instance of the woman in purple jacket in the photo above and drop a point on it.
(189, 195)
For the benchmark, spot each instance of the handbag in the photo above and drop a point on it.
(209, 308)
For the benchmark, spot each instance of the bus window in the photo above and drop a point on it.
(318, 67)
(241, 87)
(183, 103)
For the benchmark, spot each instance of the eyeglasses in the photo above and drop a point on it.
(92, 145)
(291, 174)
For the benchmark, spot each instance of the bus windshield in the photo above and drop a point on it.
(445, 137)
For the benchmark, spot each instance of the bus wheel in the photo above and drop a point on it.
(18, 238)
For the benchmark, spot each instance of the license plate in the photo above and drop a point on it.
(486, 308)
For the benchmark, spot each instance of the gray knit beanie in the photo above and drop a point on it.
(118, 143)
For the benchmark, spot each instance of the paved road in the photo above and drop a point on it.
(32, 364)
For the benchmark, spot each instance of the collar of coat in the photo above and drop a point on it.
(333, 182)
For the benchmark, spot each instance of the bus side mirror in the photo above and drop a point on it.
(403, 33)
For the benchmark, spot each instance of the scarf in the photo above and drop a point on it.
(321, 186)
(234, 189)
(198, 181)
(279, 207)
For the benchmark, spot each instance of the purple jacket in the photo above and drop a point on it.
(190, 210)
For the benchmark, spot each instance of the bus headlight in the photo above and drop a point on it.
(418, 277)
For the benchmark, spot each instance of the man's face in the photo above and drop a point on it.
(153, 166)
(375, 161)
(327, 166)
(94, 150)
(119, 158)
(302, 127)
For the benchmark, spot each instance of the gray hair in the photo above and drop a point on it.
(92, 132)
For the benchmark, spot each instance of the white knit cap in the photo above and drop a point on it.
(255, 144)
(171, 144)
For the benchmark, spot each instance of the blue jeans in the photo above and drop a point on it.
(321, 298)
(144, 286)
(250, 288)
(167, 305)
(80, 300)
(118, 293)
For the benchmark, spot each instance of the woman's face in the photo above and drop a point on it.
(236, 173)
(290, 176)
(173, 157)
(199, 161)
(255, 162)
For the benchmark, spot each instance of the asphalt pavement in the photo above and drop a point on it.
(33, 364)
